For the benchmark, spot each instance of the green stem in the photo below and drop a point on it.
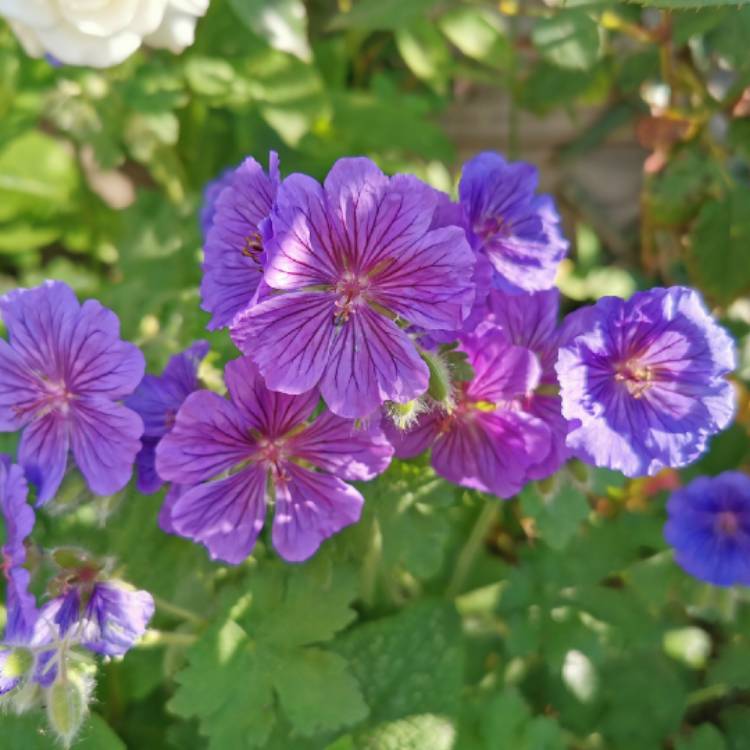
(472, 547)
(179, 612)
(371, 564)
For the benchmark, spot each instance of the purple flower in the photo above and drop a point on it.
(61, 375)
(531, 322)
(230, 452)
(234, 254)
(486, 442)
(157, 400)
(645, 380)
(709, 528)
(106, 617)
(211, 194)
(350, 259)
(516, 229)
(19, 520)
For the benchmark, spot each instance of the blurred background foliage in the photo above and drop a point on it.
(444, 620)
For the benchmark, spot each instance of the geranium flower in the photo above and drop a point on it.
(709, 528)
(62, 373)
(486, 441)
(231, 452)
(234, 252)
(350, 260)
(516, 229)
(646, 380)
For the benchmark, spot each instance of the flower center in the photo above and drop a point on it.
(350, 292)
(57, 397)
(253, 247)
(272, 452)
(636, 378)
(492, 226)
(727, 523)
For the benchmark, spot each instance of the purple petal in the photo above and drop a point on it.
(233, 264)
(170, 500)
(225, 516)
(502, 370)
(343, 449)
(105, 441)
(43, 453)
(209, 437)
(289, 337)
(429, 281)
(115, 617)
(491, 451)
(149, 480)
(301, 249)
(272, 413)
(311, 507)
(20, 390)
(372, 360)
(417, 439)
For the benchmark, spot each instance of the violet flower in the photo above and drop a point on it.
(230, 452)
(62, 373)
(350, 260)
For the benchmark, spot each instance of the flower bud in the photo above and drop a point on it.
(405, 415)
(440, 387)
(25, 698)
(67, 705)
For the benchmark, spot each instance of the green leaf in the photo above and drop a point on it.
(425, 52)
(479, 34)
(381, 15)
(422, 732)
(732, 668)
(689, 4)
(251, 672)
(559, 513)
(318, 692)
(718, 249)
(570, 39)
(408, 663)
(705, 737)
(282, 23)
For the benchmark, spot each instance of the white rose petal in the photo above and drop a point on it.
(35, 13)
(177, 30)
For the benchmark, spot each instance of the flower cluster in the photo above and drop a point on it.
(101, 34)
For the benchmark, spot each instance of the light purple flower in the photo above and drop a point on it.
(351, 258)
(61, 375)
(646, 380)
(486, 442)
(516, 229)
(531, 322)
(234, 254)
(709, 528)
(157, 400)
(107, 617)
(230, 452)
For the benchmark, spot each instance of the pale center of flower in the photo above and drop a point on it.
(636, 378)
(350, 292)
(727, 523)
(57, 397)
(272, 452)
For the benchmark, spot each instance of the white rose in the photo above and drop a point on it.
(101, 33)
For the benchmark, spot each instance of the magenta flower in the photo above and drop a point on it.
(62, 374)
(231, 452)
(709, 528)
(351, 259)
(234, 254)
(646, 380)
(531, 322)
(486, 442)
(157, 400)
(516, 229)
